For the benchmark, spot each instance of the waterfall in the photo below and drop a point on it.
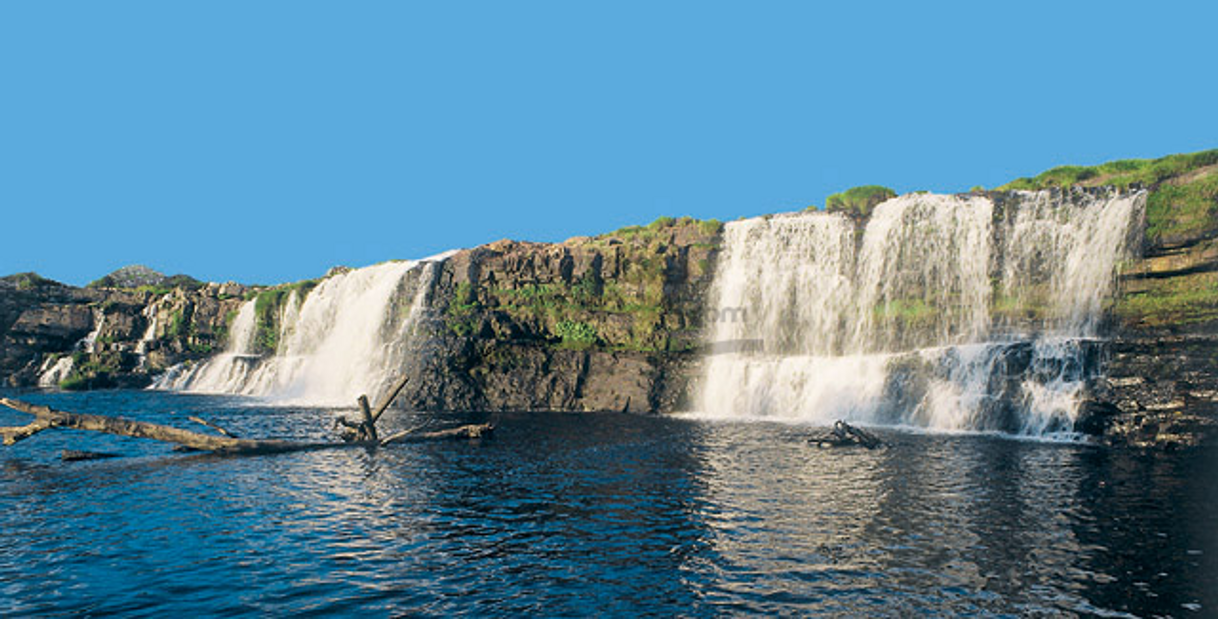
(945, 312)
(149, 336)
(89, 343)
(227, 372)
(51, 374)
(351, 334)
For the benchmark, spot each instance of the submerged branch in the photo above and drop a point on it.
(46, 418)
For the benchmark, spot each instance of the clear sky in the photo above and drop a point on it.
(264, 142)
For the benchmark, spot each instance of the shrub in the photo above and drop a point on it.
(858, 200)
(575, 333)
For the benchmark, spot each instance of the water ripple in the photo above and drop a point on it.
(598, 514)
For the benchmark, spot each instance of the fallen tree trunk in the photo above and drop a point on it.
(46, 418)
(479, 430)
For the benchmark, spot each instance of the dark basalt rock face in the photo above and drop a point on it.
(1159, 389)
(592, 324)
(1160, 386)
(39, 317)
(42, 321)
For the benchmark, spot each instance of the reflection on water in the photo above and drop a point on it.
(598, 514)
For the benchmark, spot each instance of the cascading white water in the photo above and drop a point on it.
(227, 372)
(89, 343)
(51, 374)
(900, 326)
(149, 336)
(923, 255)
(350, 335)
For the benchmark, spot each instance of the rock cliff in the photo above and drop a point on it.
(53, 335)
(604, 323)
(614, 322)
(1159, 384)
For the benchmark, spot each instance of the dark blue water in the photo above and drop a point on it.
(596, 514)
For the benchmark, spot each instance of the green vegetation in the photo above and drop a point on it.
(576, 334)
(168, 285)
(1030, 305)
(268, 310)
(1180, 209)
(182, 327)
(179, 325)
(663, 226)
(858, 200)
(461, 315)
(94, 371)
(710, 227)
(1122, 173)
(910, 312)
(143, 279)
(28, 281)
(1171, 301)
(1183, 198)
(638, 306)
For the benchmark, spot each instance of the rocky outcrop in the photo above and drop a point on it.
(1161, 379)
(605, 323)
(1158, 390)
(106, 337)
(39, 317)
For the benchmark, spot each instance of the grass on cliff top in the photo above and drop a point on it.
(28, 281)
(662, 227)
(858, 200)
(1183, 196)
(1122, 173)
(1177, 209)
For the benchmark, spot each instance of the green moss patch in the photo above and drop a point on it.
(92, 371)
(576, 334)
(1179, 300)
(28, 281)
(908, 312)
(1174, 210)
(268, 311)
(461, 316)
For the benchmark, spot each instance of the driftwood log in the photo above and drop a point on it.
(843, 434)
(362, 433)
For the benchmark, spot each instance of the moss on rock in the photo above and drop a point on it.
(1173, 301)
(268, 312)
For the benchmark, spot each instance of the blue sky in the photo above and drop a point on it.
(267, 141)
